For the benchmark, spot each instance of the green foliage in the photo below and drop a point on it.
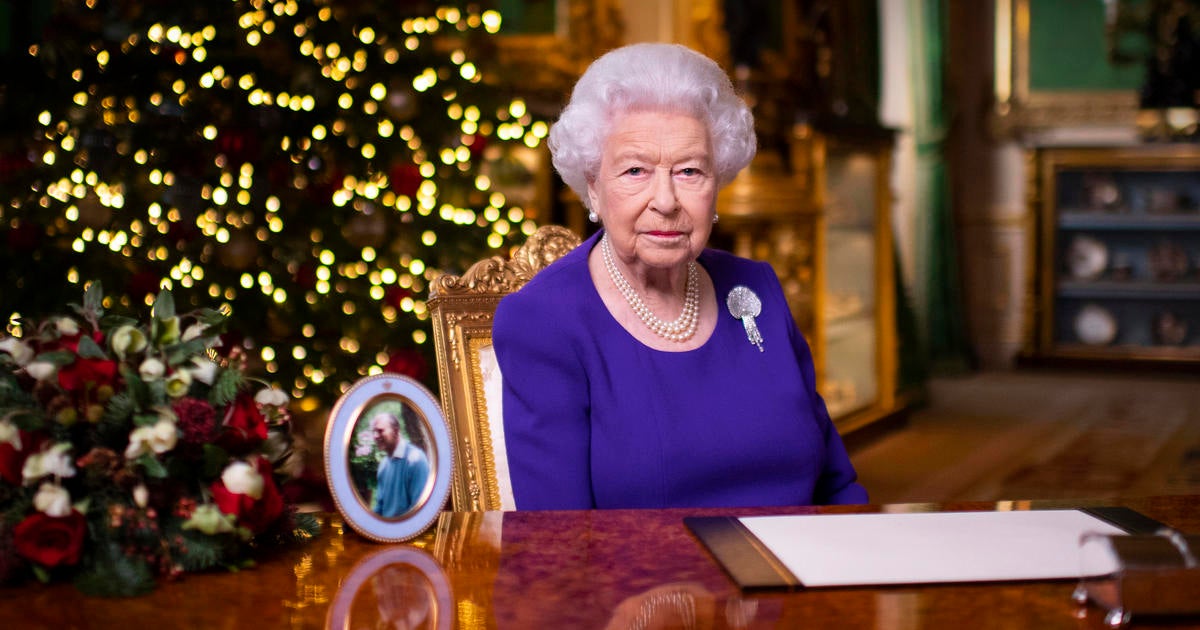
(108, 572)
(225, 389)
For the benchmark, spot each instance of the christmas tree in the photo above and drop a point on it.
(306, 165)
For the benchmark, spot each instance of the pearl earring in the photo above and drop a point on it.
(593, 217)
(716, 217)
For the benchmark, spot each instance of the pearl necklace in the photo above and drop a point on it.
(679, 330)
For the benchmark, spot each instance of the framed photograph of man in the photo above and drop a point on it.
(388, 457)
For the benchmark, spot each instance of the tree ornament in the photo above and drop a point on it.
(365, 229)
(240, 252)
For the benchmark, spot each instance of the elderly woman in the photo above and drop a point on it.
(643, 370)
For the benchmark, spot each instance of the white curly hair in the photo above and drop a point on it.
(665, 77)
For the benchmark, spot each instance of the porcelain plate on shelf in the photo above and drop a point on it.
(1095, 325)
(1087, 258)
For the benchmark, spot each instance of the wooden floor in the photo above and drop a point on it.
(1035, 434)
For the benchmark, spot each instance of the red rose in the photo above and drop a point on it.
(254, 514)
(87, 374)
(49, 540)
(244, 426)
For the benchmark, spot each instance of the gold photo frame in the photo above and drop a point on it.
(1090, 91)
(364, 492)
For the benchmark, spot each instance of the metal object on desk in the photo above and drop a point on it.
(1142, 575)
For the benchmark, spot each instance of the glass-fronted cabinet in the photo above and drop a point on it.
(1119, 269)
(820, 216)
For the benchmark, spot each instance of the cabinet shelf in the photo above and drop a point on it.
(1129, 290)
(1125, 218)
(1082, 220)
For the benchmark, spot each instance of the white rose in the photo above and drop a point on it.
(163, 436)
(242, 478)
(20, 351)
(152, 369)
(178, 383)
(41, 370)
(127, 340)
(53, 500)
(158, 438)
(54, 462)
(9, 434)
(203, 370)
(67, 327)
(272, 396)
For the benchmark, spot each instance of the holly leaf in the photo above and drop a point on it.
(215, 459)
(93, 299)
(152, 466)
(58, 358)
(164, 305)
(89, 349)
(183, 352)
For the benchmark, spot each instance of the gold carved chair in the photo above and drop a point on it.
(468, 375)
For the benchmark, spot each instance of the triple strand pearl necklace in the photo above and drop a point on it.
(679, 330)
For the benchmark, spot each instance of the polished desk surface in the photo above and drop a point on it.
(598, 569)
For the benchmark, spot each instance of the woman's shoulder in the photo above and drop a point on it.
(553, 288)
(728, 268)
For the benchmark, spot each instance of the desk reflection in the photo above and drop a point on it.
(499, 563)
(407, 591)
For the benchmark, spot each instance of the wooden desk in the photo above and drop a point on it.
(601, 569)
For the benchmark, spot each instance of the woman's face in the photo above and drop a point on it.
(656, 190)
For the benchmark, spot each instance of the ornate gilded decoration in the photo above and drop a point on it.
(462, 308)
(547, 65)
(500, 275)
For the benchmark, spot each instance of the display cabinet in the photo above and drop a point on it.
(1118, 275)
(820, 216)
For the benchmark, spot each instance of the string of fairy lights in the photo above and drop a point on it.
(239, 214)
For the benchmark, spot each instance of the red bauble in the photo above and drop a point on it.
(408, 362)
(240, 145)
(395, 294)
(24, 237)
(479, 142)
(305, 275)
(141, 284)
(406, 179)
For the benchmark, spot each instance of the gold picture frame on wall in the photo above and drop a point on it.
(1052, 69)
(546, 64)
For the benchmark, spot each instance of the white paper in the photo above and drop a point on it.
(923, 548)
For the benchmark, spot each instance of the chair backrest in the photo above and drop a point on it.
(468, 375)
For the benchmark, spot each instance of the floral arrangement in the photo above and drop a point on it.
(133, 452)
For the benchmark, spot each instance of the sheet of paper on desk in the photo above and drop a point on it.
(922, 548)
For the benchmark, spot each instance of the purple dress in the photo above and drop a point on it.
(595, 419)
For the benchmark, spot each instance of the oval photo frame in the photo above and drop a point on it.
(388, 457)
